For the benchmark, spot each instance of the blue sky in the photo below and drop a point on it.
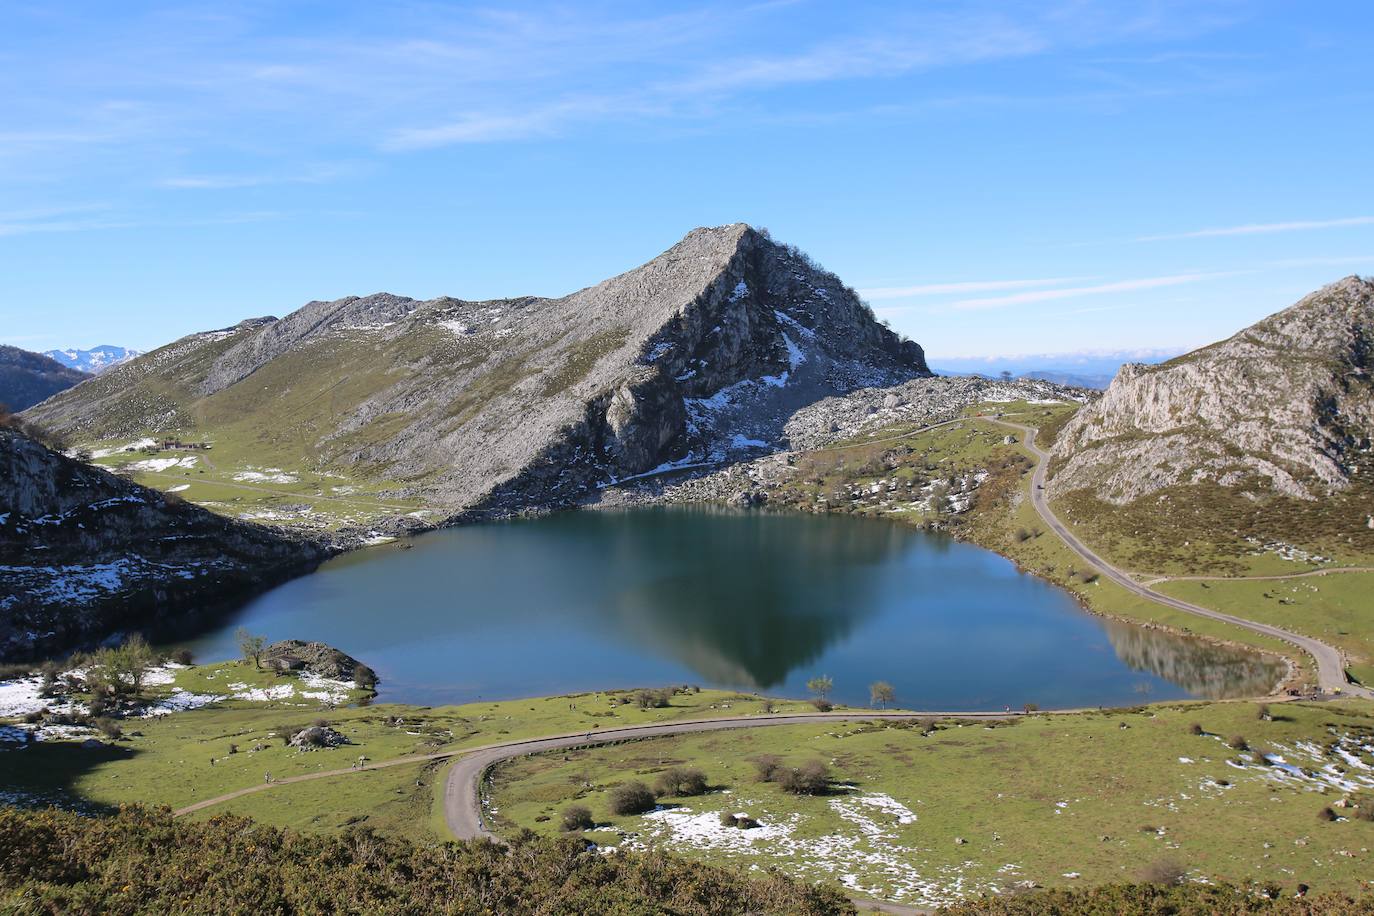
(997, 178)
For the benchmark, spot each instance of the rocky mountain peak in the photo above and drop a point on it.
(1285, 404)
(698, 354)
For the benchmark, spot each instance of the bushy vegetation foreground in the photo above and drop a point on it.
(1162, 900)
(141, 861)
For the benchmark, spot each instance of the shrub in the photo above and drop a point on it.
(577, 817)
(146, 862)
(1263, 713)
(108, 727)
(768, 766)
(632, 798)
(182, 656)
(1238, 743)
(811, 778)
(1164, 871)
(653, 699)
(1022, 535)
(1365, 810)
(822, 705)
(1326, 814)
(1195, 729)
(681, 782)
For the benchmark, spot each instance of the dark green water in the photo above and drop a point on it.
(750, 600)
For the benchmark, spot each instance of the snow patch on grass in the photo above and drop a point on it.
(876, 857)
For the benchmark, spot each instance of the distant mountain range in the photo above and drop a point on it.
(94, 360)
(27, 378)
(1087, 369)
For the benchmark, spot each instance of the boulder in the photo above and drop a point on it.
(317, 737)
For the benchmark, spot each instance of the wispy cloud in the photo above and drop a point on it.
(1074, 292)
(967, 286)
(38, 222)
(1332, 261)
(485, 128)
(319, 174)
(1263, 228)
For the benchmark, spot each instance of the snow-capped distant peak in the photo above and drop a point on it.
(96, 359)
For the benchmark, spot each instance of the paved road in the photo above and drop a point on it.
(1330, 664)
(462, 792)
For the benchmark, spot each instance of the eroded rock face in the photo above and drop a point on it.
(1286, 405)
(84, 553)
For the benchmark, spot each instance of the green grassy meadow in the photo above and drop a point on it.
(1058, 801)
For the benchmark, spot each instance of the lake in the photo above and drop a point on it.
(758, 601)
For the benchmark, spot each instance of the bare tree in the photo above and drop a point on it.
(251, 645)
(880, 693)
(821, 686)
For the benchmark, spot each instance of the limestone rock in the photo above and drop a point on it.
(313, 657)
(1286, 405)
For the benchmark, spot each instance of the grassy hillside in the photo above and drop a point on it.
(182, 758)
(931, 814)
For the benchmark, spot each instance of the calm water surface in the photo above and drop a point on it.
(750, 600)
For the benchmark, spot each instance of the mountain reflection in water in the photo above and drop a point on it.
(1202, 668)
(756, 601)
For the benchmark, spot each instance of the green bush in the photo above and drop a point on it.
(1187, 899)
(632, 798)
(577, 817)
(146, 862)
(680, 782)
(811, 778)
(768, 766)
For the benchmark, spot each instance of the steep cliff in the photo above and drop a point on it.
(1285, 407)
(84, 553)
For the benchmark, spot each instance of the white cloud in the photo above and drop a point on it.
(1263, 228)
(1073, 292)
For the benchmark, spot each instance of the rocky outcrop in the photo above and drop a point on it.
(28, 378)
(317, 737)
(312, 657)
(1285, 406)
(698, 356)
(84, 553)
(866, 413)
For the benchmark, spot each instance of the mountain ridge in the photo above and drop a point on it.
(1286, 404)
(95, 360)
(26, 378)
(497, 405)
